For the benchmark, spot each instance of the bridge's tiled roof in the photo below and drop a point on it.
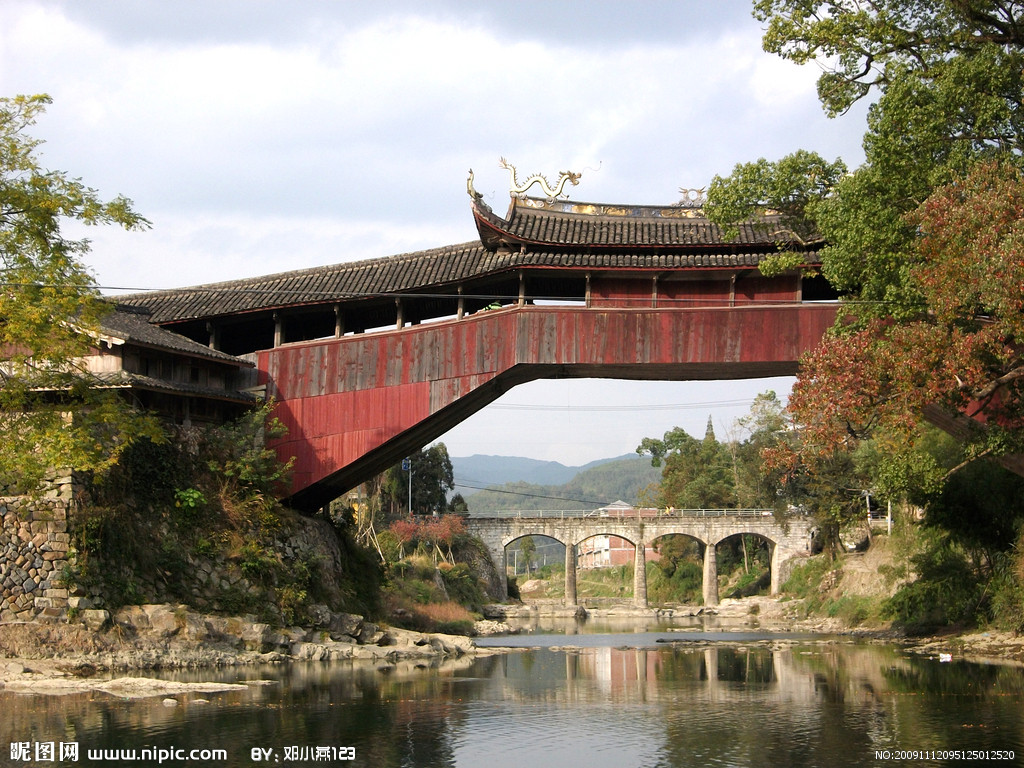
(595, 226)
(603, 238)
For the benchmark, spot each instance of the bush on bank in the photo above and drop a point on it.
(437, 574)
(196, 521)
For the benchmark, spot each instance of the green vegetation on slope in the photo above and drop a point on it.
(196, 522)
(625, 479)
(438, 576)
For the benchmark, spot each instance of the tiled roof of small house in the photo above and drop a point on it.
(126, 380)
(132, 324)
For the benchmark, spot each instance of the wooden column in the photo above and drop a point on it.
(214, 332)
(278, 329)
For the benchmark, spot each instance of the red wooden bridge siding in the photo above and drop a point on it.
(358, 404)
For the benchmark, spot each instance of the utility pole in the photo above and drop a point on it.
(407, 466)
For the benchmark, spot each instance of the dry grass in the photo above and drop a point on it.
(445, 613)
(43, 641)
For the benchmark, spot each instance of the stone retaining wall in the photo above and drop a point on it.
(34, 553)
(39, 579)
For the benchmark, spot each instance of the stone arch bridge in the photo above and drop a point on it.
(788, 539)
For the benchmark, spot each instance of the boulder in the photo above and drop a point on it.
(319, 615)
(371, 634)
(402, 638)
(345, 624)
(256, 636)
(165, 620)
(131, 617)
(95, 619)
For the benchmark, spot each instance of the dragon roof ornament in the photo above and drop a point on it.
(518, 189)
(692, 198)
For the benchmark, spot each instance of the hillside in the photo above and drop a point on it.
(623, 478)
(482, 471)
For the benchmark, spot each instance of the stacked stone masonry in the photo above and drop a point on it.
(35, 547)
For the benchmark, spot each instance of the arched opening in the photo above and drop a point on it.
(745, 665)
(744, 565)
(535, 568)
(675, 570)
(604, 569)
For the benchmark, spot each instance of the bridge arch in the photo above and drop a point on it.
(676, 556)
(547, 550)
(355, 405)
(750, 546)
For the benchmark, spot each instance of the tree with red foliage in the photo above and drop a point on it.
(433, 531)
(958, 356)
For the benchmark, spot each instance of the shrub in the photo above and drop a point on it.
(946, 591)
(853, 610)
(806, 578)
(462, 586)
(1007, 605)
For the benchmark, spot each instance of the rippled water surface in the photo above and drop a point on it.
(612, 701)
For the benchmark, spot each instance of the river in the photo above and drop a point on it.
(646, 699)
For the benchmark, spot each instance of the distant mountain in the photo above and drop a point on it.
(480, 471)
(595, 485)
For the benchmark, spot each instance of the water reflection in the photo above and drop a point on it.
(678, 705)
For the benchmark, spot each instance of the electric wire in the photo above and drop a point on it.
(465, 484)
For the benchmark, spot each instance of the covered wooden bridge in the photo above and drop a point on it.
(370, 360)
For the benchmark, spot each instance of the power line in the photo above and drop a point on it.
(623, 408)
(464, 484)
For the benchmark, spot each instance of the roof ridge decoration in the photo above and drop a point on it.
(692, 198)
(518, 189)
(678, 210)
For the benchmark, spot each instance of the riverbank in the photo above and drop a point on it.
(55, 657)
(777, 616)
(138, 641)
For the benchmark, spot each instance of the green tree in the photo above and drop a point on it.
(947, 77)
(458, 505)
(923, 238)
(53, 412)
(924, 242)
(697, 474)
(528, 549)
(432, 478)
(957, 357)
(766, 426)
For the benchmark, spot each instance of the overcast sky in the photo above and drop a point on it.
(261, 136)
